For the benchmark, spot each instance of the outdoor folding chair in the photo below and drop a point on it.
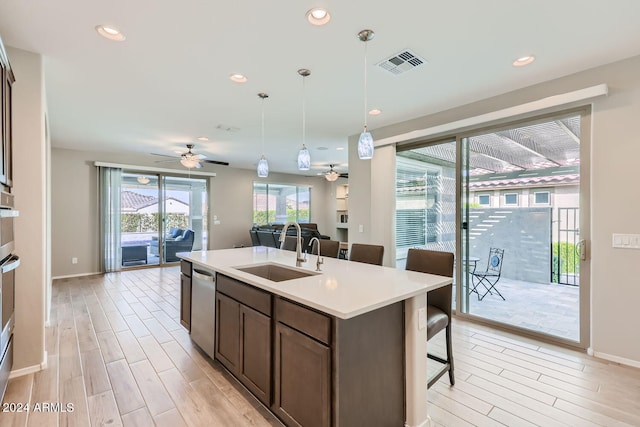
(488, 278)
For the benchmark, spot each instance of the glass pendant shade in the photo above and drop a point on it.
(304, 159)
(263, 167)
(365, 142)
(365, 145)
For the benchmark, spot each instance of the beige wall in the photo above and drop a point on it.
(75, 215)
(614, 160)
(30, 183)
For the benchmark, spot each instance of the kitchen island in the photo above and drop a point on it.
(343, 346)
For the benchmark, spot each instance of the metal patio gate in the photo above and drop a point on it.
(566, 259)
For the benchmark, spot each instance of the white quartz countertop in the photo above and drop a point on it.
(344, 289)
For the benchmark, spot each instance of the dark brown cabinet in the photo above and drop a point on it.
(228, 332)
(302, 373)
(309, 368)
(185, 294)
(243, 334)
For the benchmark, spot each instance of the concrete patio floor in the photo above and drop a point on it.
(549, 308)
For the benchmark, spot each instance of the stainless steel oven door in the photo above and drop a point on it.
(7, 297)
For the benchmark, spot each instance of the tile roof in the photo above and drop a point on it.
(533, 181)
(132, 201)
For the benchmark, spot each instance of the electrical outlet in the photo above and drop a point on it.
(74, 260)
(361, 228)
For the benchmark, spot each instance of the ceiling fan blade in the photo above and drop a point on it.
(166, 161)
(215, 162)
(344, 175)
(163, 155)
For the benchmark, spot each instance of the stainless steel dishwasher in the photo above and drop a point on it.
(203, 296)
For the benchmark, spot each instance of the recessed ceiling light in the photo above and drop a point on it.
(203, 138)
(375, 112)
(238, 78)
(110, 32)
(524, 60)
(340, 148)
(318, 16)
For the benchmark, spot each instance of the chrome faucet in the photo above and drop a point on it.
(299, 258)
(319, 261)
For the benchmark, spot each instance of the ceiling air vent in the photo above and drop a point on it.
(402, 61)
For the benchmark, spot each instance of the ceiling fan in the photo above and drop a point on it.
(332, 175)
(190, 159)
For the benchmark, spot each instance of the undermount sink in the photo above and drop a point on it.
(275, 272)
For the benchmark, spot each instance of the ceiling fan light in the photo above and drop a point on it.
(332, 176)
(263, 167)
(143, 180)
(365, 145)
(190, 162)
(304, 159)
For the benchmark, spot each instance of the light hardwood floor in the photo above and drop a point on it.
(118, 353)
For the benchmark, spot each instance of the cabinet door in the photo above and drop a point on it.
(302, 379)
(8, 137)
(185, 301)
(255, 367)
(228, 332)
(4, 118)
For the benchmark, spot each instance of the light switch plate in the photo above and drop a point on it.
(626, 241)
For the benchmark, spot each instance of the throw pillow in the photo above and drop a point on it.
(179, 238)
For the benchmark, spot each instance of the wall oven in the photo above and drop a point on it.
(9, 261)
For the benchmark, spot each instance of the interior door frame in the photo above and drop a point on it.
(462, 241)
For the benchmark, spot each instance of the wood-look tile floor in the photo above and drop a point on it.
(118, 353)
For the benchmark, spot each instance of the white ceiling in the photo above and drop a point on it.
(168, 83)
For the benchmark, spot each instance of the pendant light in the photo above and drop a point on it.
(304, 158)
(263, 166)
(365, 142)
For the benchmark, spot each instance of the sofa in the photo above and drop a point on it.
(176, 240)
(269, 235)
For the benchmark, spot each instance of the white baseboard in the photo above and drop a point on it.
(617, 359)
(30, 369)
(75, 275)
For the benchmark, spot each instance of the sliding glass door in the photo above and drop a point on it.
(520, 227)
(161, 216)
(524, 227)
(426, 199)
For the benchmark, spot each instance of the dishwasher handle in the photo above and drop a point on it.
(202, 275)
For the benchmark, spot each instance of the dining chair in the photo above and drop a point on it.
(369, 254)
(328, 248)
(438, 303)
(489, 277)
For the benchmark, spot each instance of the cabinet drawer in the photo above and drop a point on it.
(305, 320)
(246, 294)
(185, 268)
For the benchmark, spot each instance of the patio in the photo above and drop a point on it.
(548, 308)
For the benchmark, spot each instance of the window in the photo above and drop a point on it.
(280, 203)
(484, 199)
(541, 197)
(511, 199)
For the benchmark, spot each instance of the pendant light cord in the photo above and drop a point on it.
(365, 85)
(263, 127)
(304, 112)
